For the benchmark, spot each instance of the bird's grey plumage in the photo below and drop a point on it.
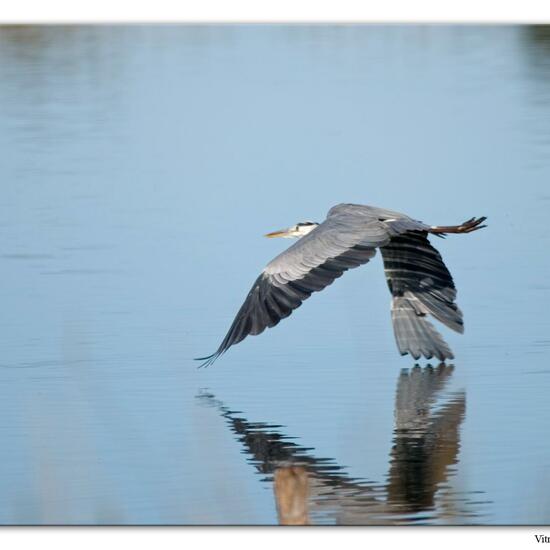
(418, 280)
(420, 284)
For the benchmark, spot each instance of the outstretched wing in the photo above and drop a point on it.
(420, 284)
(346, 239)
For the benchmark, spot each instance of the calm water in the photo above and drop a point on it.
(140, 168)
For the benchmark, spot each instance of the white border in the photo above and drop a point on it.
(409, 538)
(51, 11)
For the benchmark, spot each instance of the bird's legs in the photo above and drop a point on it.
(473, 224)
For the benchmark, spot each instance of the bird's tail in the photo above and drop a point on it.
(414, 334)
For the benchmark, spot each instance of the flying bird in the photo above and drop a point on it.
(419, 281)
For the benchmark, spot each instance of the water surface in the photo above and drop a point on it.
(141, 166)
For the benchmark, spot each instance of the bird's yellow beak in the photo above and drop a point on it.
(280, 233)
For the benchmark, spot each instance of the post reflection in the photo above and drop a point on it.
(426, 441)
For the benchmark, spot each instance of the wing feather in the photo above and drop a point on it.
(420, 284)
(309, 265)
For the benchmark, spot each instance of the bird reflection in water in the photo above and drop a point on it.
(425, 447)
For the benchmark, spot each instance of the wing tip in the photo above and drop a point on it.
(208, 360)
(440, 356)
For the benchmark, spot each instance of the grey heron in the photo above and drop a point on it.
(418, 280)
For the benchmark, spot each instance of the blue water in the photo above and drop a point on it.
(141, 167)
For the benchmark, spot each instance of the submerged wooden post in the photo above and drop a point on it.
(291, 494)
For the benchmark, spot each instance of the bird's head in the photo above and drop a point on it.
(295, 231)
